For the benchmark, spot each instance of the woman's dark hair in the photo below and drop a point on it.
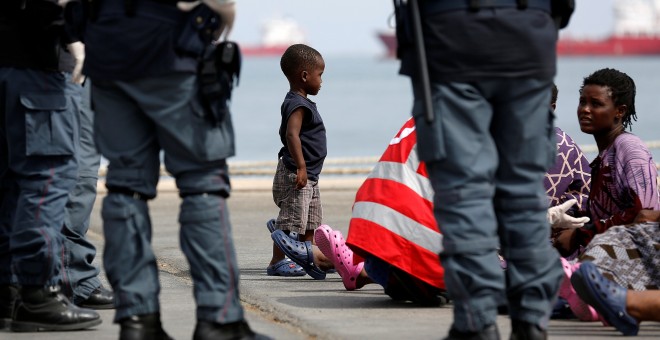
(298, 57)
(622, 90)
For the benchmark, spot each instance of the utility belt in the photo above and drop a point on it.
(560, 10)
(475, 5)
(130, 7)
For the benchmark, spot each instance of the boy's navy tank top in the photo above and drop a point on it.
(312, 135)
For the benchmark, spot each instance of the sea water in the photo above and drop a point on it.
(363, 102)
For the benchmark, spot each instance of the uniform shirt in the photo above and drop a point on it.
(503, 42)
(312, 135)
(119, 47)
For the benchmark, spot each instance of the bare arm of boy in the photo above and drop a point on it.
(293, 126)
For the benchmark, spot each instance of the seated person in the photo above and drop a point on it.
(622, 298)
(624, 176)
(624, 182)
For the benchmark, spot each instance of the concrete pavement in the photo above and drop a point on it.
(292, 308)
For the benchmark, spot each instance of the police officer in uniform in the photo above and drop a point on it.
(141, 57)
(38, 129)
(487, 146)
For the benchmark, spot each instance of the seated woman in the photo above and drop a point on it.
(624, 176)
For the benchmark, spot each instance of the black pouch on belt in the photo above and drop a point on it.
(218, 74)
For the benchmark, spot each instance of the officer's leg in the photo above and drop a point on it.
(42, 162)
(206, 240)
(7, 190)
(80, 276)
(195, 153)
(205, 234)
(41, 128)
(8, 289)
(127, 138)
(523, 129)
(461, 170)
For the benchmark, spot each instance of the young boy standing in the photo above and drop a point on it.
(295, 186)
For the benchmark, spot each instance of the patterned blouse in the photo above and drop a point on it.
(625, 181)
(570, 177)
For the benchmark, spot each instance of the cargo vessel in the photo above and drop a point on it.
(277, 34)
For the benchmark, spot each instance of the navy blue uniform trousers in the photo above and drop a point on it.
(497, 141)
(79, 274)
(134, 121)
(38, 129)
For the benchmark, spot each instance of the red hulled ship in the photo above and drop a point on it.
(276, 36)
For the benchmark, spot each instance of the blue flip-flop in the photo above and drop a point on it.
(607, 297)
(298, 252)
(285, 267)
(271, 228)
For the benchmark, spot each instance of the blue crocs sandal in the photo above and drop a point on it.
(607, 297)
(285, 267)
(271, 225)
(298, 252)
(271, 228)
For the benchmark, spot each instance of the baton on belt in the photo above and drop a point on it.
(421, 61)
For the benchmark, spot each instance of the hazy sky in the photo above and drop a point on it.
(350, 26)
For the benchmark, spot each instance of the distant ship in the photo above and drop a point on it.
(388, 38)
(636, 32)
(277, 35)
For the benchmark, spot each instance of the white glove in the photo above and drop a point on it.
(226, 9)
(77, 50)
(559, 219)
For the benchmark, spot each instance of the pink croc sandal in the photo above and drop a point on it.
(332, 245)
(581, 309)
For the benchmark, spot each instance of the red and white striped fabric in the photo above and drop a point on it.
(393, 212)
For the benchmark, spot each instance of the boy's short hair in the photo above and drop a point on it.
(298, 57)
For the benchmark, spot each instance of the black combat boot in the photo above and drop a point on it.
(240, 330)
(47, 309)
(100, 298)
(488, 333)
(142, 327)
(8, 296)
(521, 330)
